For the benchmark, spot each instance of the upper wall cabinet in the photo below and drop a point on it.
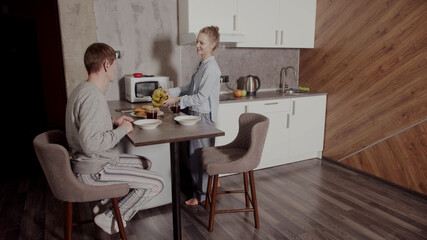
(277, 23)
(250, 23)
(258, 20)
(194, 15)
(297, 20)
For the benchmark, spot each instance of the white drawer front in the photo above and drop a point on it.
(275, 105)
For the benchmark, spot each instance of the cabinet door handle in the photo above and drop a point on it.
(287, 120)
(234, 22)
(281, 37)
(246, 108)
(293, 107)
(272, 103)
(277, 35)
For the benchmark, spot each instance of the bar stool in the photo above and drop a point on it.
(51, 149)
(242, 155)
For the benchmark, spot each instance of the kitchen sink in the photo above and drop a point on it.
(290, 91)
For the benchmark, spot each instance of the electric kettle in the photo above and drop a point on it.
(251, 85)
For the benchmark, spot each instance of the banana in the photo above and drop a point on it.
(157, 94)
(158, 97)
(163, 96)
(157, 104)
(155, 98)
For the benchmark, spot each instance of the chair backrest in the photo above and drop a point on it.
(252, 133)
(51, 149)
(53, 156)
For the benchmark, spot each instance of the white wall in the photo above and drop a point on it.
(77, 23)
(144, 32)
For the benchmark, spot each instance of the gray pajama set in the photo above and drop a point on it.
(201, 95)
(95, 158)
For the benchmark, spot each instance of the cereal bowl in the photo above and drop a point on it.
(147, 124)
(187, 120)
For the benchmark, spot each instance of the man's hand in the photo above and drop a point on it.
(124, 121)
(118, 121)
(127, 125)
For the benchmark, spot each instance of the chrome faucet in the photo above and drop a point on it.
(283, 86)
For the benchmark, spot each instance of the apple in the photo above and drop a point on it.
(244, 93)
(238, 92)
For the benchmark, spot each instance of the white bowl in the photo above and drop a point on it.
(147, 124)
(187, 120)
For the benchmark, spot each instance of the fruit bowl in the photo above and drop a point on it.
(147, 124)
(187, 120)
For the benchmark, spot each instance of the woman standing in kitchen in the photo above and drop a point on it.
(201, 96)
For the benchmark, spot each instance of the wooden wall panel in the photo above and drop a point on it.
(371, 59)
(403, 159)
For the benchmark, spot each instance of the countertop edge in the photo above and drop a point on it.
(267, 95)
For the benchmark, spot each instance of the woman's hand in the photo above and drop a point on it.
(170, 100)
(166, 91)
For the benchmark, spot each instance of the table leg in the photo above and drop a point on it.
(176, 190)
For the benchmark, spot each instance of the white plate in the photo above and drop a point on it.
(187, 120)
(147, 124)
(159, 113)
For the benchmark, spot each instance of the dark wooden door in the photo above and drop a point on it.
(33, 86)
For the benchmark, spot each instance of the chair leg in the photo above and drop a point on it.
(254, 200)
(119, 218)
(68, 228)
(213, 201)
(245, 181)
(208, 192)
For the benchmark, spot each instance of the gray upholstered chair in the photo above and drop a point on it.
(51, 149)
(242, 155)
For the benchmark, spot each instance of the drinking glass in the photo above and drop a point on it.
(151, 114)
(175, 108)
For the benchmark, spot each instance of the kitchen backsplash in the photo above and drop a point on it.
(240, 62)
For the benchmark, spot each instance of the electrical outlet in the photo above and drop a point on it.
(224, 79)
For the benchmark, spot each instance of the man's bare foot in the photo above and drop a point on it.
(192, 202)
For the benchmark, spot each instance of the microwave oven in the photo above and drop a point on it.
(140, 89)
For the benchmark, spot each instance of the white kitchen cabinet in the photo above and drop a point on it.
(258, 22)
(276, 146)
(297, 20)
(277, 23)
(307, 127)
(277, 141)
(296, 130)
(228, 121)
(194, 15)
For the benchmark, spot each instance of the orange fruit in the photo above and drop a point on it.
(238, 93)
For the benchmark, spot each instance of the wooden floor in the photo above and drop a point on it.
(312, 199)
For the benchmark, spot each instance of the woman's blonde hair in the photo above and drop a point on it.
(213, 33)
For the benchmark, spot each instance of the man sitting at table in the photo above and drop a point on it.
(93, 141)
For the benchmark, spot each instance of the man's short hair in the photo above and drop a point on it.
(95, 56)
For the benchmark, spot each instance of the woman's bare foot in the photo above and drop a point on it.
(192, 202)
(219, 183)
